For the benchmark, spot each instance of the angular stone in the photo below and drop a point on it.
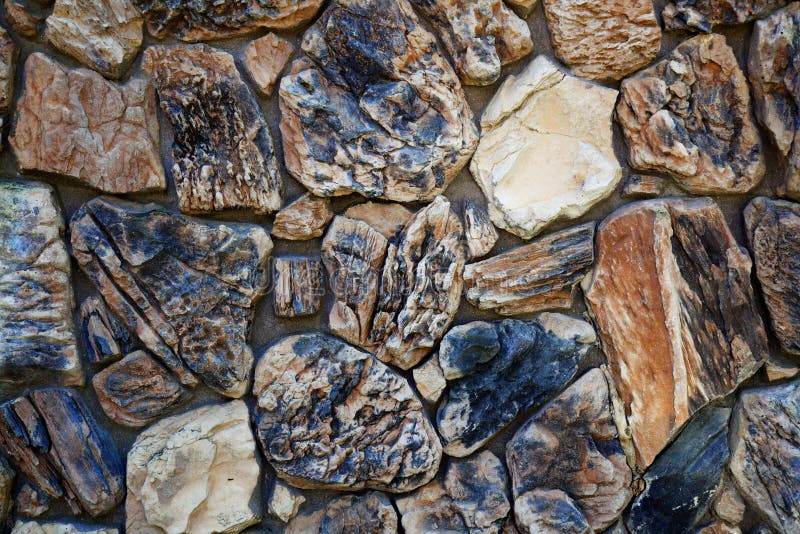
(330, 416)
(194, 472)
(543, 511)
(222, 147)
(9, 53)
(370, 513)
(6, 485)
(703, 15)
(265, 58)
(546, 150)
(105, 337)
(728, 504)
(465, 347)
(76, 123)
(478, 229)
(388, 218)
(672, 301)
(297, 286)
(689, 116)
(104, 35)
(779, 368)
(377, 110)
(33, 527)
(429, 379)
(22, 19)
(536, 359)
(480, 35)
(523, 7)
(472, 498)
(187, 287)
(284, 501)
(304, 218)
(534, 277)
(52, 438)
(37, 333)
(643, 186)
(31, 502)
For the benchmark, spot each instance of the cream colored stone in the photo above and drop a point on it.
(264, 59)
(429, 379)
(285, 501)
(33, 527)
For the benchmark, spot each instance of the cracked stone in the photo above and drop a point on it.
(703, 15)
(31, 502)
(297, 286)
(22, 18)
(284, 501)
(265, 58)
(305, 218)
(429, 379)
(33, 527)
(9, 54)
(370, 513)
(105, 337)
(479, 231)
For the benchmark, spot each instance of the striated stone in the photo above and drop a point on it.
(21, 18)
(539, 276)
(304, 218)
(74, 122)
(689, 116)
(265, 58)
(297, 286)
(222, 148)
(377, 110)
(6, 485)
(284, 501)
(194, 472)
(37, 333)
(536, 359)
(388, 218)
(52, 438)
(330, 416)
(429, 379)
(187, 287)
(9, 54)
(31, 502)
(643, 186)
(370, 513)
(546, 150)
(478, 229)
(672, 301)
(33, 527)
(703, 15)
(105, 337)
(466, 346)
(104, 35)
(543, 511)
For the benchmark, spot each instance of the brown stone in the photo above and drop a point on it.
(6, 485)
(388, 218)
(689, 116)
(304, 218)
(643, 186)
(671, 297)
(703, 15)
(265, 58)
(370, 513)
(76, 123)
(105, 337)
(31, 502)
(479, 231)
(9, 53)
(298, 286)
(429, 379)
(22, 19)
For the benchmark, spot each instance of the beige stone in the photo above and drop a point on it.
(284, 501)
(429, 379)
(385, 217)
(265, 58)
(33, 527)
(305, 218)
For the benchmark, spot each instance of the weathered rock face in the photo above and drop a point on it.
(378, 110)
(546, 150)
(185, 286)
(21, 18)
(429, 379)
(536, 359)
(478, 230)
(223, 152)
(603, 40)
(304, 218)
(76, 123)
(52, 438)
(297, 286)
(703, 15)
(9, 53)
(194, 472)
(466, 346)
(672, 301)
(105, 338)
(37, 333)
(571, 446)
(549, 512)
(689, 116)
(6, 485)
(32, 527)
(331, 416)
(265, 58)
(31, 502)
(539, 276)
(388, 218)
(471, 498)
(284, 501)
(102, 34)
(370, 513)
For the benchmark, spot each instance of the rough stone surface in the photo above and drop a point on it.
(536, 359)
(297, 286)
(305, 218)
(542, 511)
(522, 7)
(370, 513)
(466, 346)
(21, 19)
(187, 287)
(703, 15)
(265, 58)
(672, 301)
(429, 379)
(378, 110)
(689, 116)
(284, 501)
(388, 218)
(31, 502)
(6, 485)
(33, 527)
(222, 148)
(76, 123)
(9, 53)
(105, 337)
(479, 231)
(643, 186)
(331, 416)
(194, 472)
(546, 149)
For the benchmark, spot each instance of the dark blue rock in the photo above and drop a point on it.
(466, 346)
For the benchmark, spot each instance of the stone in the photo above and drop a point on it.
(534, 277)
(6, 486)
(703, 15)
(466, 346)
(187, 287)
(37, 333)
(33, 527)
(671, 298)
(728, 504)
(542, 511)
(222, 148)
(22, 19)
(195, 472)
(388, 218)
(31, 502)
(51, 437)
(75, 123)
(265, 58)
(643, 186)
(330, 416)
(305, 218)
(689, 116)
(546, 151)
(537, 358)
(571, 446)
(370, 513)
(472, 497)
(284, 501)
(779, 368)
(478, 229)
(297, 286)
(105, 338)
(9, 54)
(104, 35)
(481, 36)
(429, 379)
(378, 110)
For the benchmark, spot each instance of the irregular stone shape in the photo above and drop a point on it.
(546, 150)
(37, 333)
(779, 368)
(703, 15)
(305, 218)
(6, 485)
(21, 19)
(478, 229)
(187, 287)
(31, 502)
(542, 511)
(105, 337)
(297, 286)
(728, 504)
(466, 346)
(538, 276)
(603, 40)
(330, 416)
(471, 498)
(265, 58)
(378, 110)
(537, 358)
(571, 445)
(76, 123)
(9, 53)
(370, 513)
(523, 7)
(672, 300)
(284, 501)
(33, 527)
(194, 472)
(222, 148)
(480, 35)
(388, 218)
(104, 35)
(52, 438)
(643, 186)
(429, 379)
(689, 116)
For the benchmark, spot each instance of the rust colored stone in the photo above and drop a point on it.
(304, 218)
(265, 58)
(388, 218)
(643, 186)
(22, 18)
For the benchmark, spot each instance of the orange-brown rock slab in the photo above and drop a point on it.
(388, 218)
(265, 58)
(304, 218)
(22, 18)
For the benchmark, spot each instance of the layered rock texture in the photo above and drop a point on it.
(703, 15)
(370, 513)
(105, 337)
(297, 286)
(479, 231)
(304, 218)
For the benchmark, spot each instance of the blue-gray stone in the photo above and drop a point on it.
(466, 346)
